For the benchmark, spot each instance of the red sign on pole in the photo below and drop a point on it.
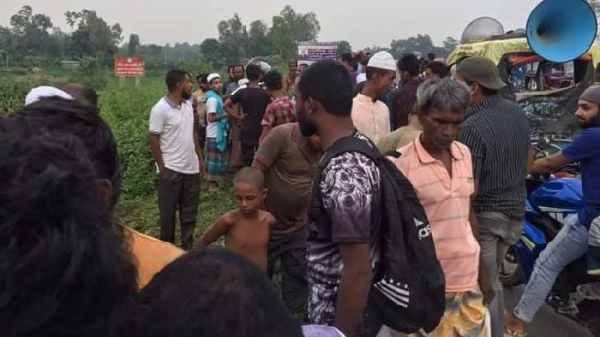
(129, 66)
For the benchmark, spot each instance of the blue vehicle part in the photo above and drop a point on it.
(529, 209)
(529, 247)
(555, 199)
(558, 198)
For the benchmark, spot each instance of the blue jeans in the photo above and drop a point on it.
(570, 244)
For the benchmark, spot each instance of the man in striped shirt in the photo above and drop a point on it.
(496, 131)
(441, 170)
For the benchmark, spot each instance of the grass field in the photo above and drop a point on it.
(126, 109)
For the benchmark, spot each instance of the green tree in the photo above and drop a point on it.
(7, 45)
(233, 37)
(450, 44)
(31, 35)
(344, 48)
(134, 43)
(93, 37)
(211, 52)
(258, 41)
(288, 28)
(153, 56)
(420, 44)
(59, 42)
(375, 49)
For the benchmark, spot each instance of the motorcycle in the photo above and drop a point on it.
(550, 204)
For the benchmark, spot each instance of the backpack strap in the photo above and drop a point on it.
(349, 144)
(394, 154)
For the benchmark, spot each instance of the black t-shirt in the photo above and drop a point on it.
(254, 102)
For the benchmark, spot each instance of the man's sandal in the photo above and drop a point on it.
(512, 333)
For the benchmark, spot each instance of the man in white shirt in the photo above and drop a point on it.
(178, 156)
(370, 115)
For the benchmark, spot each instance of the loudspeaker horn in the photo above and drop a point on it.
(481, 29)
(561, 30)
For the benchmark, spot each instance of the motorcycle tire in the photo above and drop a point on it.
(511, 273)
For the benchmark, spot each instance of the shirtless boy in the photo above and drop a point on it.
(247, 228)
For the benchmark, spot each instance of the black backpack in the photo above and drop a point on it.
(408, 290)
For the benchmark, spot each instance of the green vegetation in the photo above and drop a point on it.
(33, 51)
(126, 109)
(32, 40)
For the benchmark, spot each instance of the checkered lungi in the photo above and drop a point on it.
(215, 162)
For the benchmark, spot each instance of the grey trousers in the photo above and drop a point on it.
(178, 192)
(497, 232)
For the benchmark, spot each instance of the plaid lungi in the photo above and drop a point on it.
(215, 162)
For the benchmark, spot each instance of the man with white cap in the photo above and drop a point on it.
(217, 131)
(371, 116)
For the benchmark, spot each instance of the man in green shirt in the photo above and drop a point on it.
(402, 136)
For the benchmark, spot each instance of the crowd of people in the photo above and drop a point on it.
(70, 269)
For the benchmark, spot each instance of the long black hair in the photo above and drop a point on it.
(64, 270)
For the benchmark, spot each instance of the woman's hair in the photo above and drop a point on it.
(64, 270)
(214, 292)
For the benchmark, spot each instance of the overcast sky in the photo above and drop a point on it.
(361, 22)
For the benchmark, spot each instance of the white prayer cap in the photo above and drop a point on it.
(361, 78)
(212, 77)
(45, 91)
(382, 60)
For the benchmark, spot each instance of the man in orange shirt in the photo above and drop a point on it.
(441, 170)
(151, 255)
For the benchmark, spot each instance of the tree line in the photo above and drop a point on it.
(32, 40)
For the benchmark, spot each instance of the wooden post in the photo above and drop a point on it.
(137, 82)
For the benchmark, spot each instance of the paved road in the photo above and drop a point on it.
(546, 323)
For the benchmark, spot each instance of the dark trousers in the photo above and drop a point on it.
(290, 250)
(177, 191)
(248, 152)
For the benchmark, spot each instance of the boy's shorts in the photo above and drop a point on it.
(465, 316)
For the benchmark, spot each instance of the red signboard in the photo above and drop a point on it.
(129, 66)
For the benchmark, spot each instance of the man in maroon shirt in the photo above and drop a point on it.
(405, 98)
